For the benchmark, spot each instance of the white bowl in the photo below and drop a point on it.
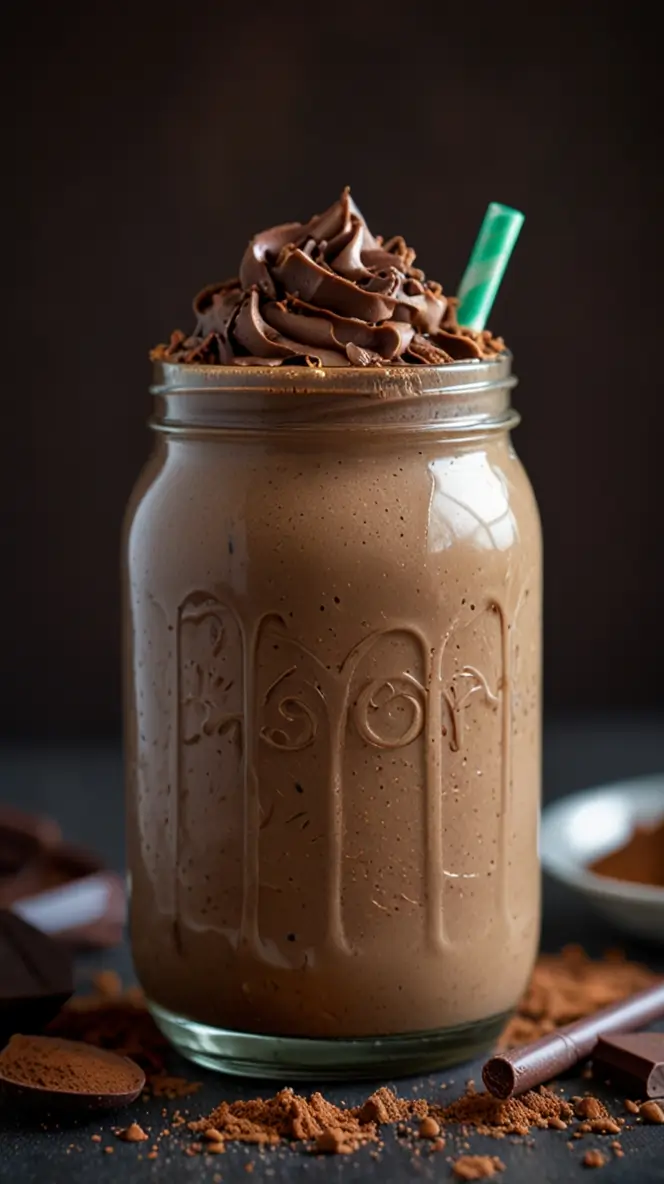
(579, 829)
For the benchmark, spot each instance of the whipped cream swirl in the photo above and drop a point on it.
(327, 293)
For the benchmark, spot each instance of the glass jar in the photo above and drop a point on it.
(333, 716)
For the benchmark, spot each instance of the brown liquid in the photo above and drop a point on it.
(333, 730)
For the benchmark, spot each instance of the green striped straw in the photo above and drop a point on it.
(486, 266)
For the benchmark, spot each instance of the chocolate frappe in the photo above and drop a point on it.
(333, 661)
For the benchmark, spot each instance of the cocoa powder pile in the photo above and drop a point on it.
(115, 1018)
(567, 986)
(517, 1116)
(288, 1116)
(563, 987)
(639, 861)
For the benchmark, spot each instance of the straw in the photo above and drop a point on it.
(486, 266)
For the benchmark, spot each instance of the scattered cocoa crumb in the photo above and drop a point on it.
(96, 1138)
(152, 1154)
(334, 1142)
(652, 1112)
(167, 1085)
(587, 1108)
(108, 984)
(563, 988)
(383, 1106)
(604, 1126)
(438, 1144)
(428, 1128)
(594, 1159)
(133, 1134)
(108, 1150)
(477, 1167)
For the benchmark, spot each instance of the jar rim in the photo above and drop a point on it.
(383, 383)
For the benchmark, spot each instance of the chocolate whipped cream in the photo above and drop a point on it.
(327, 292)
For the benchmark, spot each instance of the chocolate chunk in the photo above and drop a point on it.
(35, 977)
(22, 838)
(59, 888)
(89, 911)
(635, 1059)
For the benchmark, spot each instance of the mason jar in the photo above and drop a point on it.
(332, 621)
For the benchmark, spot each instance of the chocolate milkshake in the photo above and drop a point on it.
(333, 670)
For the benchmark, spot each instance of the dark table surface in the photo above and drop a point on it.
(82, 788)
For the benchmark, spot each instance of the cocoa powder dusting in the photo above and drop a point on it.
(563, 988)
(567, 986)
(336, 1129)
(594, 1159)
(477, 1167)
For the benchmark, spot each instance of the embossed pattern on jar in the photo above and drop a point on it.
(333, 636)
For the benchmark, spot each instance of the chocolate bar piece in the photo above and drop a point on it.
(44, 869)
(24, 837)
(90, 911)
(55, 886)
(36, 977)
(633, 1059)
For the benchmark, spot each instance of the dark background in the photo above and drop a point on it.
(144, 143)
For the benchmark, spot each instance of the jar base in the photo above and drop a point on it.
(286, 1058)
